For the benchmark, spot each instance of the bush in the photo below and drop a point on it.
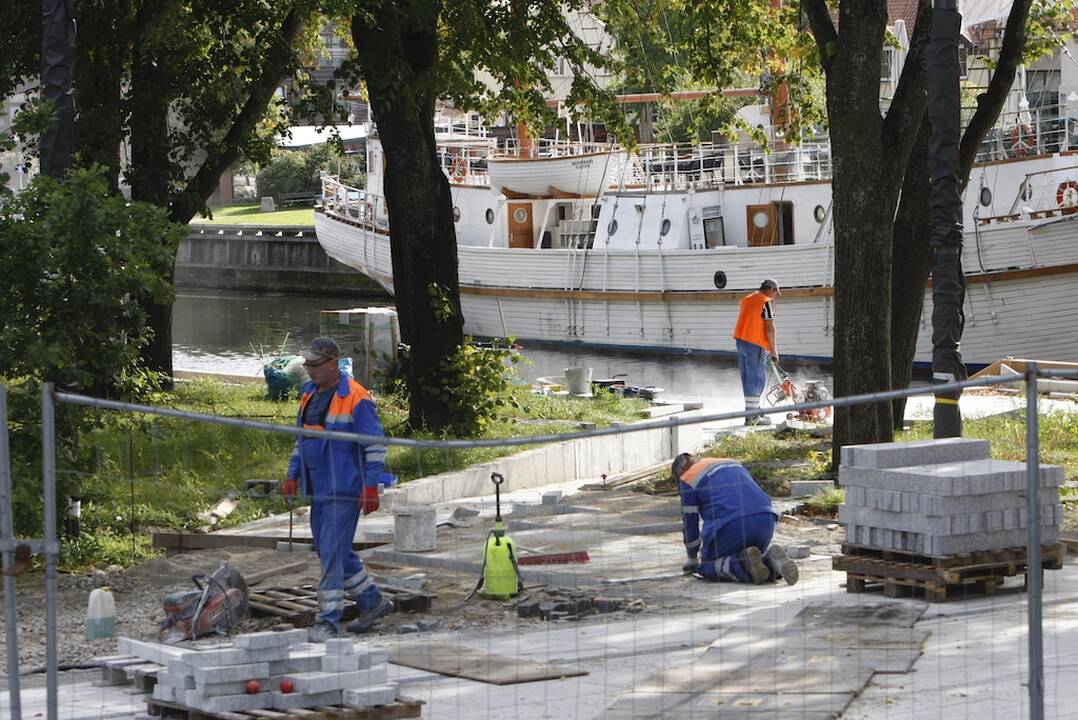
(77, 266)
(295, 171)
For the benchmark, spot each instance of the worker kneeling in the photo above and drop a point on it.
(735, 544)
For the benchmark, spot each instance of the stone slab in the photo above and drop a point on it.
(230, 673)
(317, 682)
(164, 693)
(861, 616)
(942, 525)
(926, 504)
(917, 452)
(369, 697)
(261, 640)
(342, 663)
(340, 646)
(972, 477)
(868, 637)
(149, 651)
(808, 488)
(295, 700)
(238, 687)
(228, 703)
(721, 706)
(938, 546)
(221, 656)
(825, 674)
(461, 661)
(182, 682)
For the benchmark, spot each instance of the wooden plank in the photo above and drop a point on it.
(183, 542)
(286, 569)
(403, 708)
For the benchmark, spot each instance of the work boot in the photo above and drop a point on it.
(782, 564)
(320, 632)
(753, 561)
(366, 619)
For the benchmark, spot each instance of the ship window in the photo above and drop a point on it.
(664, 229)
(520, 215)
(720, 279)
(456, 214)
(819, 213)
(612, 227)
(490, 216)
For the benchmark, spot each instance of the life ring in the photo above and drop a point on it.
(458, 168)
(1022, 140)
(1067, 194)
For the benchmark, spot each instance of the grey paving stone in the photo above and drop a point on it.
(316, 682)
(862, 616)
(222, 656)
(369, 697)
(972, 477)
(808, 488)
(926, 504)
(341, 663)
(164, 693)
(228, 703)
(340, 646)
(295, 700)
(230, 673)
(944, 525)
(261, 640)
(238, 687)
(918, 452)
(937, 546)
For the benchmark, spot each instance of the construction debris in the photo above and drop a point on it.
(554, 604)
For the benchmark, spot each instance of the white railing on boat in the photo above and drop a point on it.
(358, 206)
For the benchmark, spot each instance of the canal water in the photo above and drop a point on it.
(234, 332)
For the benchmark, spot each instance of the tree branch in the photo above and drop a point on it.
(990, 102)
(191, 199)
(908, 105)
(823, 29)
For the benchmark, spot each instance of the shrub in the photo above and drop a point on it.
(294, 171)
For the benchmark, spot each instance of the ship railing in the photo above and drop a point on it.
(548, 148)
(354, 204)
(1043, 130)
(683, 166)
(1046, 193)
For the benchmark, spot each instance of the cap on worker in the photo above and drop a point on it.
(321, 349)
(770, 284)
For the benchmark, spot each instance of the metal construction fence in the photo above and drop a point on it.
(49, 545)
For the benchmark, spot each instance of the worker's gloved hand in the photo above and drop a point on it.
(690, 566)
(288, 489)
(369, 501)
(775, 358)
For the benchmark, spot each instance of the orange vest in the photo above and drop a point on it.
(750, 321)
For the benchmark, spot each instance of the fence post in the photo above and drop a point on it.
(7, 535)
(48, 467)
(1034, 574)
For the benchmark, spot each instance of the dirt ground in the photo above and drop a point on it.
(138, 592)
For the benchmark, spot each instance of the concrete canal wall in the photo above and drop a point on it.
(264, 258)
(558, 463)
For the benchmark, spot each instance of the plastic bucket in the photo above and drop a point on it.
(578, 380)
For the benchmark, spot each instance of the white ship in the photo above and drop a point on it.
(652, 250)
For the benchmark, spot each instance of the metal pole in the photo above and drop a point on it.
(48, 468)
(1033, 565)
(7, 532)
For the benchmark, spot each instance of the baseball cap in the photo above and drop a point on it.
(770, 284)
(321, 348)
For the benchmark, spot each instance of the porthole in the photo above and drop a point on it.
(986, 197)
(819, 212)
(456, 214)
(720, 279)
(520, 216)
(612, 227)
(490, 216)
(664, 229)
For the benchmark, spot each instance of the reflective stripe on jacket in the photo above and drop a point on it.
(338, 468)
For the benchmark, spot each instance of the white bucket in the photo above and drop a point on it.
(414, 528)
(578, 380)
(100, 615)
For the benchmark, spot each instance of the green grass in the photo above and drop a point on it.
(252, 215)
(826, 502)
(160, 473)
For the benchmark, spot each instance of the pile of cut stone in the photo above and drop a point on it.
(942, 497)
(268, 670)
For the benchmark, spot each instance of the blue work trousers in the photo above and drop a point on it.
(333, 524)
(751, 362)
(718, 554)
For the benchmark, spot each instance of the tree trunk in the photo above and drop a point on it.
(99, 70)
(909, 273)
(397, 57)
(150, 168)
(863, 206)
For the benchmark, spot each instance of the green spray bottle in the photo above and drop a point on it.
(500, 579)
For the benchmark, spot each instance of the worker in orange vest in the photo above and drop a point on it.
(754, 335)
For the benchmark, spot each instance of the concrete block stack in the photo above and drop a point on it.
(941, 497)
(218, 679)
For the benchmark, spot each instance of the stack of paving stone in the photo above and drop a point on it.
(941, 497)
(216, 680)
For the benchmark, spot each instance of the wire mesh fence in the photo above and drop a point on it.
(608, 623)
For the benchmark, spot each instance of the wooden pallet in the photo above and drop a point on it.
(937, 579)
(299, 605)
(402, 708)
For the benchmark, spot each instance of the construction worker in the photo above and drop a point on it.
(735, 543)
(754, 335)
(341, 478)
